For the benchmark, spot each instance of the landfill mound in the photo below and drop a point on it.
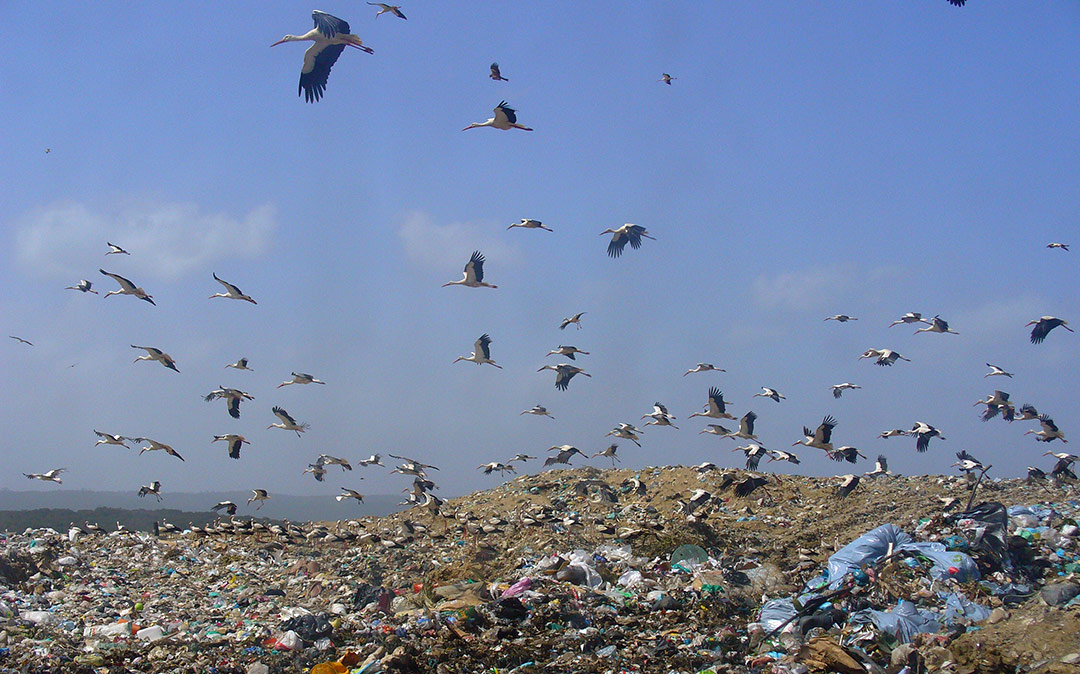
(659, 570)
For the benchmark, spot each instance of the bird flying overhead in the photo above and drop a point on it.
(232, 397)
(538, 410)
(241, 364)
(110, 439)
(566, 350)
(1062, 246)
(496, 74)
(937, 324)
(347, 493)
(287, 422)
(51, 476)
(909, 317)
(666, 79)
(259, 495)
(923, 432)
(627, 234)
(821, 438)
(770, 393)
(331, 35)
(154, 353)
(481, 352)
(83, 286)
(228, 506)
(392, 9)
(474, 273)
(301, 378)
(115, 249)
(884, 357)
(564, 372)
(703, 367)
(996, 371)
(231, 292)
(155, 446)
(715, 406)
(1043, 326)
(20, 340)
(841, 318)
(234, 442)
(127, 288)
(838, 389)
(530, 224)
(1048, 431)
(152, 488)
(505, 119)
(575, 319)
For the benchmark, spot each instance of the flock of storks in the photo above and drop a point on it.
(330, 36)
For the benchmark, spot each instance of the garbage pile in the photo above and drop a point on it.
(662, 570)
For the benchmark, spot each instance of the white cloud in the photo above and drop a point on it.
(449, 245)
(823, 288)
(166, 240)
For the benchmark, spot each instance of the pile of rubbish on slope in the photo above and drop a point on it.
(571, 571)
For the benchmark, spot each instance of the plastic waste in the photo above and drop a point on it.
(902, 623)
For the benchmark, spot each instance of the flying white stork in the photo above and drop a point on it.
(152, 488)
(1055, 244)
(881, 467)
(770, 393)
(110, 439)
(347, 493)
(715, 406)
(232, 397)
(847, 485)
(20, 340)
(153, 353)
(909, 317)
(666, 79)
(155, 446)
(937, 324)
(115, 249)
(392, 9)
(481, 352)
(845, 453)
(626, 432)
(1043, 326)
(496, 467)
(474, 273)
(716, 429)
(781, 455)
(966, 462)
(996, 371)
(565, 452)
(575, 319)
(301, 378)
(1049, 431)
(1027, 413)
(327, 460)
(83, 286)
(564, 372)
(893, 433)
(659, 412)
(753, 453)
(884, 356)
(923, 432)
(566, 350)
(127, 288)
(628, 233)
(231, 291)
(496, 74)
(746, 427)
(414, 466)
(228, 506)
(528, 223)
(259, 495)
(609, 453)
(331, 35)
(703, 367)
(373, 460)
(521, 457)
(505, 119)
(997, 402)
(838, 389)
(841, 318)
(538, 410)
(241, 364)
(234, 442)
(51, 476)
(821, 438)
(317, 470)
(287, 422)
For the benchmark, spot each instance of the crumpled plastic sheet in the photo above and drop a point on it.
(583, 560)
(902, 623)
(874, 545)
(990, 524)
(1039, 512)
(775, 612)
(958, 606)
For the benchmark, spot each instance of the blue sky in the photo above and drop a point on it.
(867, 158)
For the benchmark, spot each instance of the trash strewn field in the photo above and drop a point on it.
(659, 570)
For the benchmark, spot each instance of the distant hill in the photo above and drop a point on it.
(178, 508)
